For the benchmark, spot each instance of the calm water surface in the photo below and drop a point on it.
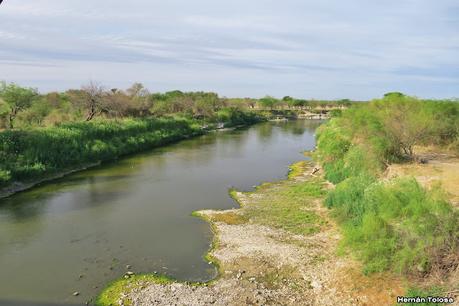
(80, 232)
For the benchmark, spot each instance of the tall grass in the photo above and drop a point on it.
(28, 154)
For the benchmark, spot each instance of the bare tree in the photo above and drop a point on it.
(93, 94)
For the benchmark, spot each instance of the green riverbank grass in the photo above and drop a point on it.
(35, 153)
(114, 291)
(287, 206)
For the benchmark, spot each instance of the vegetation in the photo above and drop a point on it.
(46, 133)
(111, 294)
(391, 225)
(49, 133)
(27, 154)
(16, 99)
(285, 204)
(22, 107)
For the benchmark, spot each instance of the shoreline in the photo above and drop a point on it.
(127, 285)
(18, 187)
(261, 260)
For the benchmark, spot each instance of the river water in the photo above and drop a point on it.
(80, 232)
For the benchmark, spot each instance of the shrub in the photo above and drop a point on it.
(396, 225)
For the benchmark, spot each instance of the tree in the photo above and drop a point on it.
(137, 90)
(17, 99)
(291, 102)
(268, 102)
(407, 122)
(93, 94)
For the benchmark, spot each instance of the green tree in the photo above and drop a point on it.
(407, 121)
(17, 99)
(268, 102)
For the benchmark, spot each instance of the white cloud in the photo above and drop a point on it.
(327, 49)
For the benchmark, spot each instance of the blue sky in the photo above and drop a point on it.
(356, 49)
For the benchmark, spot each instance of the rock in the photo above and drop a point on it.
(316, 285)
(130, 273)
(76, 293)
(128, 266)
(126, 276)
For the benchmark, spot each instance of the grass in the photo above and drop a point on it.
(112, 294)
(34, 153)
(230, 218)
(297, 169)
(287, 204)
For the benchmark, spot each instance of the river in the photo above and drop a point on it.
(81, 232)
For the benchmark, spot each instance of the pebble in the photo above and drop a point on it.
(76, 293)
(128, 266)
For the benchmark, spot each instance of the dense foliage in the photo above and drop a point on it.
(391, 224)
(26, 154)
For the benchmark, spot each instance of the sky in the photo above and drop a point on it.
(327, 49)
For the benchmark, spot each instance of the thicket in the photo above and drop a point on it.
(396, 224)
(27, 154)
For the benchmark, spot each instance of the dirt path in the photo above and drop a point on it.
(262, 263)
(439, 168)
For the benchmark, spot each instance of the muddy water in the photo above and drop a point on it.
(80, 232)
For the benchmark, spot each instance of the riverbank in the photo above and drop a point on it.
(33, 157)
(279, 247)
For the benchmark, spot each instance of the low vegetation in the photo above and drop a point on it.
(285, 205)
(122, 287)
(395, 224)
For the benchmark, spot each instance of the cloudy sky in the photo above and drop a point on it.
(324, 49)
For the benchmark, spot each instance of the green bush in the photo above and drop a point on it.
(394, 225)
(233, 116)
(5, 176)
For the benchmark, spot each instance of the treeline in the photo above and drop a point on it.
(22, 107)
(391, 224)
